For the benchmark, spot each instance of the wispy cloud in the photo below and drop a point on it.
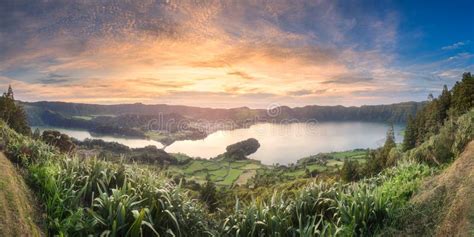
(53, 78)
(52, 81)
(463, 55)
(306, 92)
(456, 45)
(348, 79)
(241, 75)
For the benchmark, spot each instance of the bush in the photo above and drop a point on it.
(394, 156)
(350, 170)
(465, 132)
(62, 141)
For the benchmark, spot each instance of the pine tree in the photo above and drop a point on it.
(463, 95)
(450, 104)
(20, 123)
(444, 103)
(387, 147)
(390, 140)
(13, 114)
(409, 140)
(9, 93)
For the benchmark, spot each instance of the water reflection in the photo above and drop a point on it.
(279, 143)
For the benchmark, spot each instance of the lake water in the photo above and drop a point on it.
(279, 143)
(83, 134)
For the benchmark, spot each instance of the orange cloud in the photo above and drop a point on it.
(216, 53)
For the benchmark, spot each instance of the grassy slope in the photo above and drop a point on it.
(445, 204)
(17, 210)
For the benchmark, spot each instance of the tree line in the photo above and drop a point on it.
(449, 104)
(428, 121)
(395, 113)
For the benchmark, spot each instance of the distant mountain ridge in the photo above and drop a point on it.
(396, 113)
(169, 123)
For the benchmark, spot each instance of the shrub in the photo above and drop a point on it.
(465, 132)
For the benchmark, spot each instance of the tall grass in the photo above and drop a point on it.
(321, 209)
(92, 197)
(84, 197)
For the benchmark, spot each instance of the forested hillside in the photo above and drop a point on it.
(396, 113)
(449, 104)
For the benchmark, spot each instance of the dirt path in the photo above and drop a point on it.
(17, 211)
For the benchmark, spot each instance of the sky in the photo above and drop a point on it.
(254, 53)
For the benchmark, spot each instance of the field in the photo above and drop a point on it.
(222, 172)
(228, 173)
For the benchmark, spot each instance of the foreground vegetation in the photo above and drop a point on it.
(87, 196)
(360, 209)
(93, 196)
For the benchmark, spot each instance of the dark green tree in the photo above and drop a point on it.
(389, 141)
(409, 140)
(463, 94)
(208, 194)
(444, 104)
(13, 114)
(449, 104)
(377, 160)
(374, 164)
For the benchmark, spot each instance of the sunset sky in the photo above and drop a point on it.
(234, 53)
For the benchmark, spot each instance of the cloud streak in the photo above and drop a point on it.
(456, 45)
(348, 79)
